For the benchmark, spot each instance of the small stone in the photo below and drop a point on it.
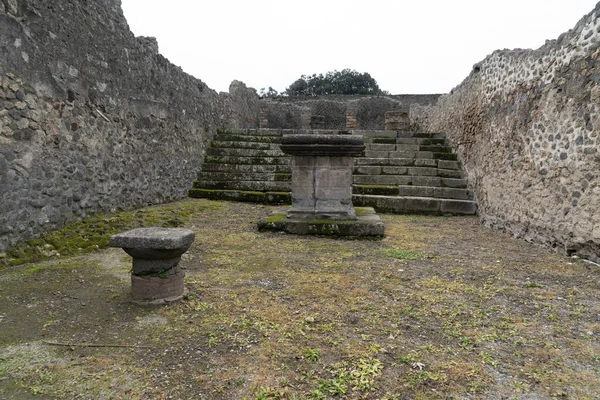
(310, 320)
(22, 123)
(12, 7)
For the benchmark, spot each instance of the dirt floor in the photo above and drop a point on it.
(441, 308)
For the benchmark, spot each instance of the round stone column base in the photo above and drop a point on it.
(154, 290)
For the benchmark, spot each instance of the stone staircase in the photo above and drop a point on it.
(406, 172)
(400, 172)
(245, 166)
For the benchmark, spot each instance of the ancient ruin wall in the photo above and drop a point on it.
(527, 125)
(94, 119)
(368, 112)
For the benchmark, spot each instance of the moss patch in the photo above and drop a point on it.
(272, 316)
(241, 195)
(92, 233)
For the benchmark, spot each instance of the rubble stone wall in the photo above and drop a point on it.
(527, 126)
(367, 112)
(94, 119)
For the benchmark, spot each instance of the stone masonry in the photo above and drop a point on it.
(527, 127)
(93, 119)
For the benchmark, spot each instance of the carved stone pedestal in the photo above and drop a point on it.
(322, 188)
(156, 277)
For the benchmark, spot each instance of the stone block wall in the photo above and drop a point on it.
(94, 119)
(344, 112)
(527, 126)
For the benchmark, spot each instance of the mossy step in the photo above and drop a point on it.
(221, 144)
(391, 147)
(382, 190)
(242, 195)
(439, 192)
(381, 161)
(243, 152)
(405, 170)
(417, 162)
(399, 134)
(366, 225)
(281, 160)
(244, 176)
(234, 137)
(415, 205)
(406, 140)
(415, 180)
(264, 169)
(261, 186)
(382, 179)
(251, 132)
(409, 154)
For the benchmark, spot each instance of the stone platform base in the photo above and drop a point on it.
(156, 290)
(366, 224)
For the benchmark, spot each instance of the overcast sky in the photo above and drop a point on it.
(407, 46)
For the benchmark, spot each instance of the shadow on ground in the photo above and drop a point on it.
(440, 308)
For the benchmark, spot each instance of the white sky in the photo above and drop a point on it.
(415, 46)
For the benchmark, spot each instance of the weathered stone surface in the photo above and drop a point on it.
(154, 238)
(96, 116)
(322, 175)
(344, 112)
(528, 127)
(397, 120)
(149, 290)
(156, 253)
(367, 224)
(322, 144)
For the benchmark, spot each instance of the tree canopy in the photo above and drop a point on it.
(346, 81)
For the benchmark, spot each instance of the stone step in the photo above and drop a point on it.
(414, 180)
(260, 186)
(234, 137)
(418, 162)
(377, 134)
(414, 191)
(242, 195)
(410, 154)
(243, 176)
(263, 169)
(417, 205)
(382, 179)
(392, 147)
(410, 140)
(406, 170)
(243, 152)
(399, 134)
(222, 144)
(282, 160)
(424, 135)
(437, 148)
(252, 132)
(380, 190)
(438, 192)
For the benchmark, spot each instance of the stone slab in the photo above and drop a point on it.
(153, 238)
(419, 205)
(367, 224)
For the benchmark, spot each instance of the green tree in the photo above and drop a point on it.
(346, 81)
(270, 93)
